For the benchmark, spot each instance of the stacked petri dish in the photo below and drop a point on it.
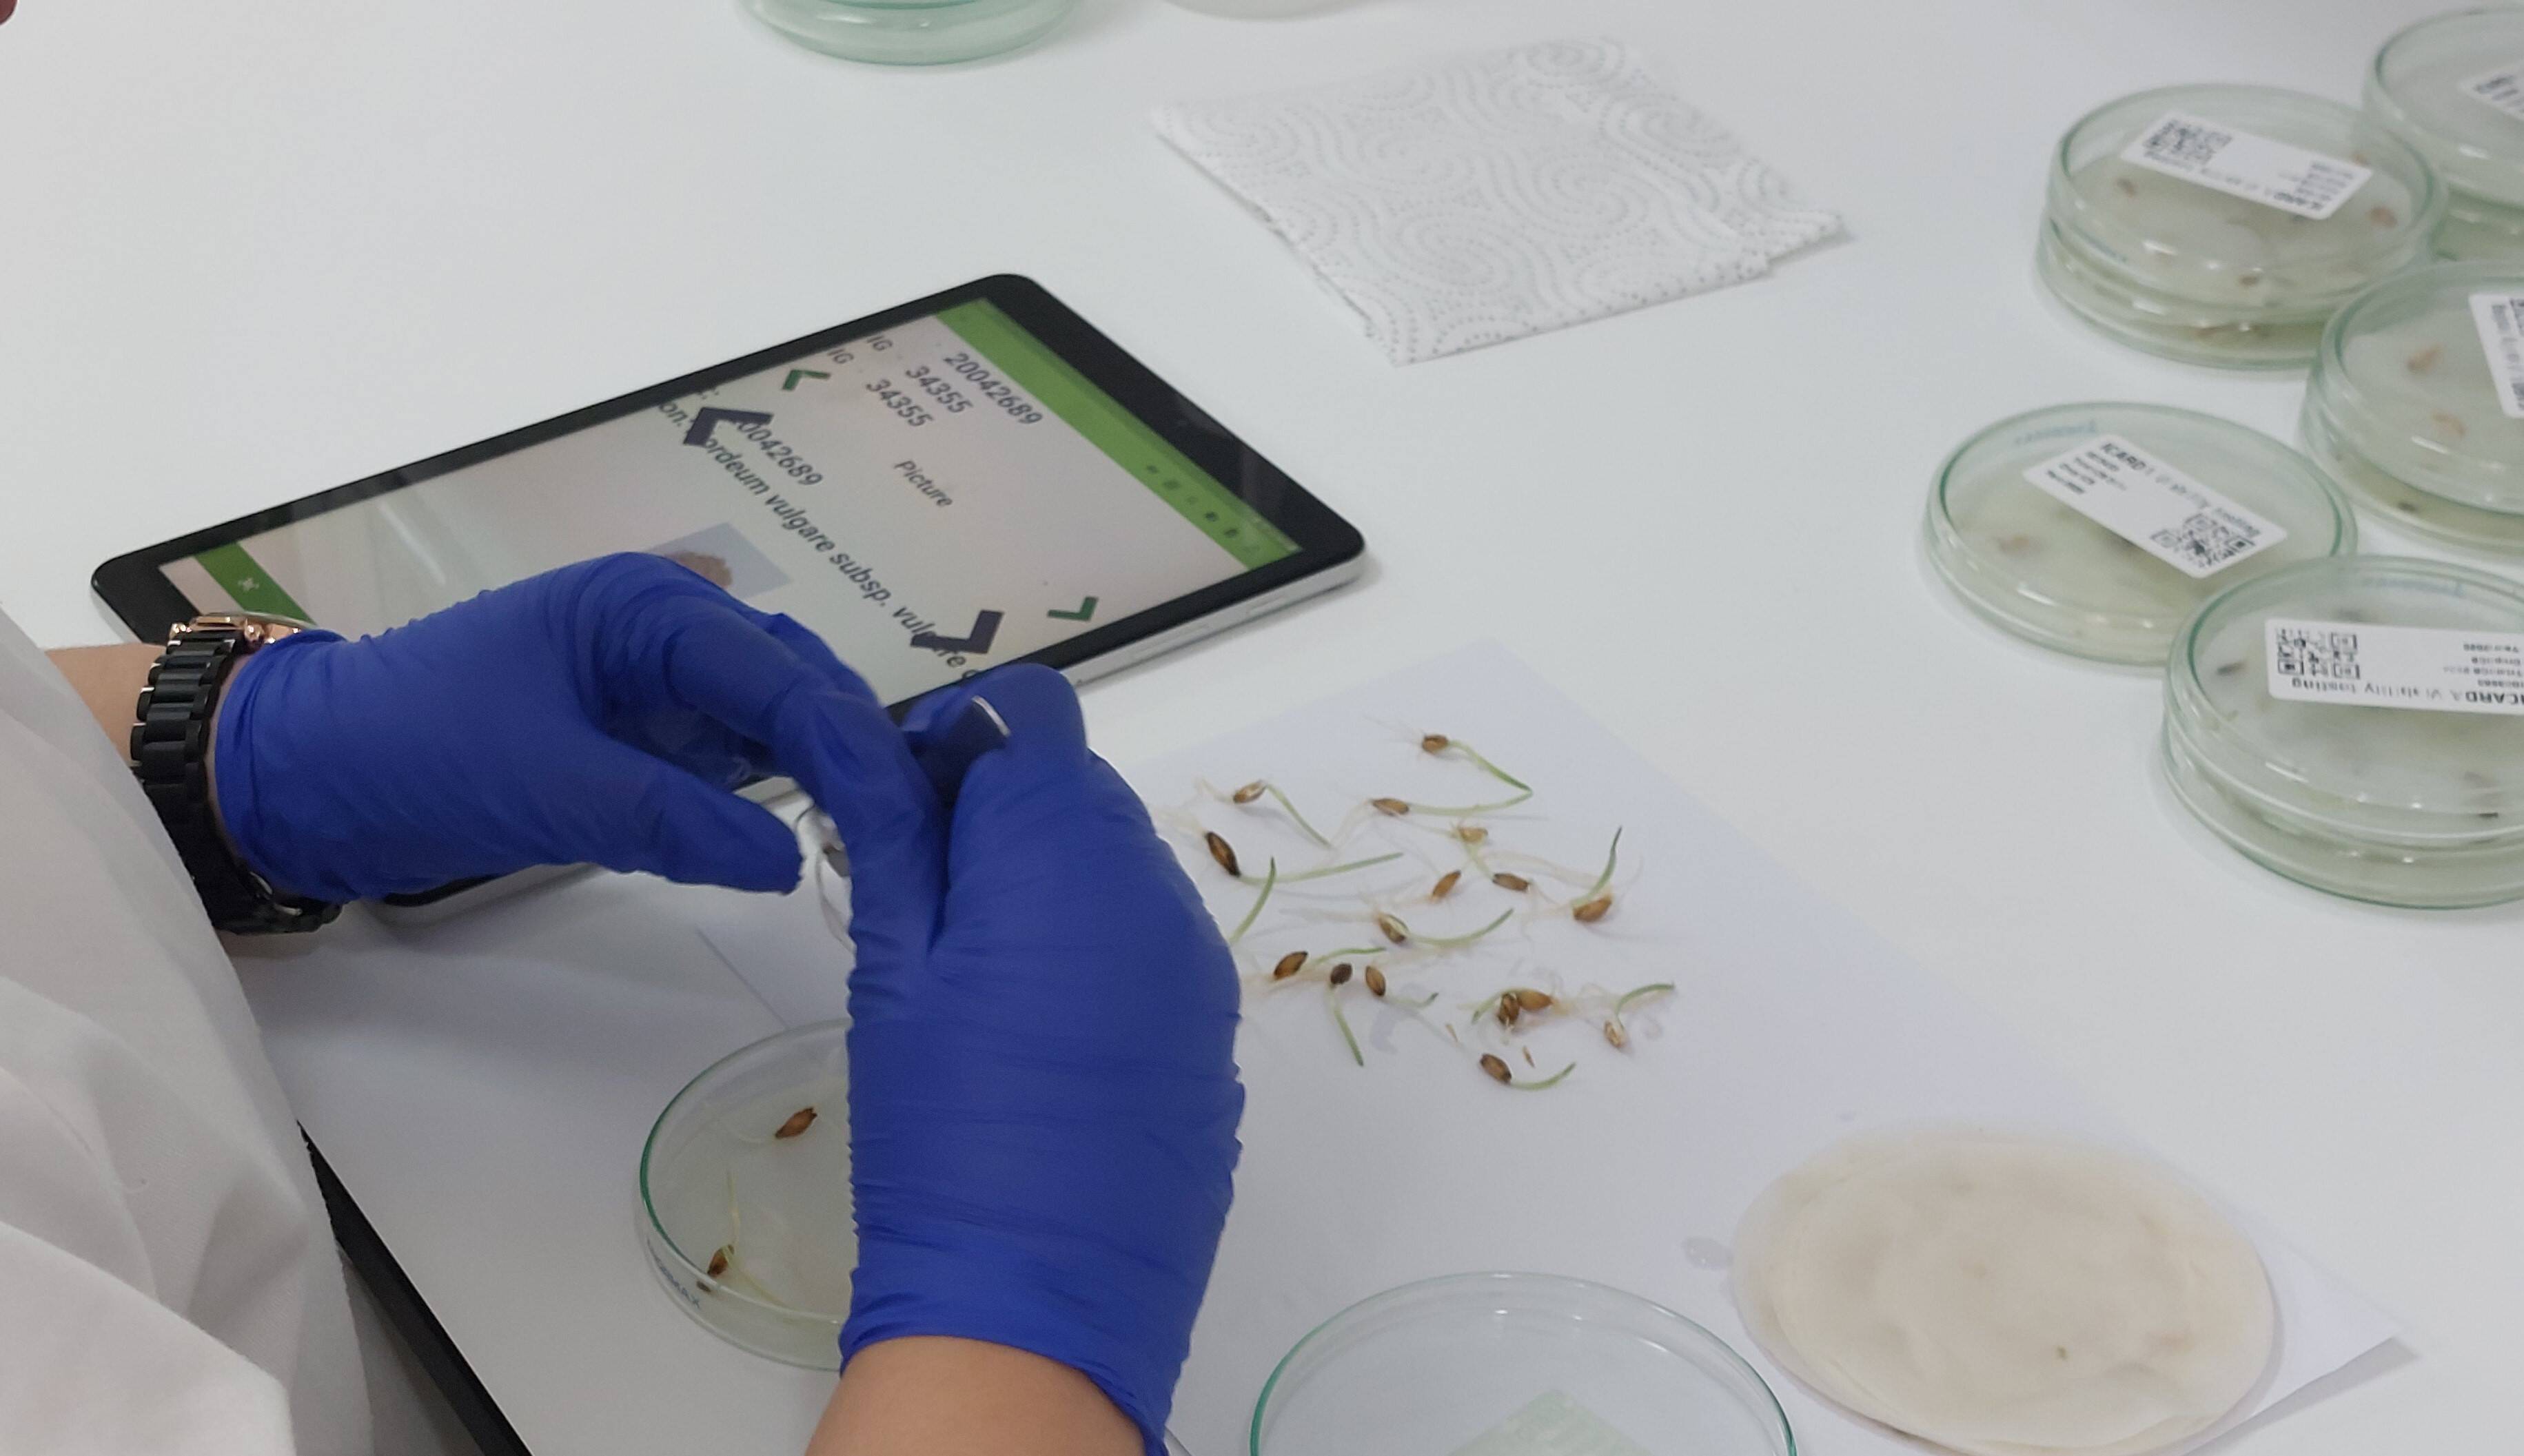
(912, 32)
(2097, 529)
(2416, 403)
(2358, 725)
(2453, 88)
(2225, 225)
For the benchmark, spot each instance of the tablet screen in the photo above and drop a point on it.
(932, 499)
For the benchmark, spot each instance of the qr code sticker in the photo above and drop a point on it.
(2309, 654)
(2204, 541)
(2178, 140)
(2500, 316)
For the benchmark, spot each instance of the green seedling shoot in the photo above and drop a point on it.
(1614, 1030)
(1400, 933)
(1270, 880)
(1438, 745)
(1598, 898)
(1261, 787)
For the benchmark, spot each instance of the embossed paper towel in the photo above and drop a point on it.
(1492, 196)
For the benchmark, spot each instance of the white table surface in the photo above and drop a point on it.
(253, 251)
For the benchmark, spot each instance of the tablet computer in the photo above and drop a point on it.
(974, 478)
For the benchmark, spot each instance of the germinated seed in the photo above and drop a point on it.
(1593, 909)
(1375, 981)
(1433, 743)
(1398, 807)
(1290, 964)
(1248, 793)
(718, 1261)
(1532, 1000)
(1340, 974)
(1613, 1034)
(799, 1121)
(1508, 1010)
(1446, 884)
(1471, 834)
(1496, 1068)
(1394, 930)
(1505, 881)
(1224, 852)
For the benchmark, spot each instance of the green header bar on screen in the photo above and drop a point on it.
(1219, 512)
(247, 584)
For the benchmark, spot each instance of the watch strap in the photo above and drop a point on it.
(170, 755)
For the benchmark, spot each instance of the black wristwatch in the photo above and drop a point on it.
(170, 746)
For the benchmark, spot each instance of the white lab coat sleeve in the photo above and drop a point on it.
(167, 1281)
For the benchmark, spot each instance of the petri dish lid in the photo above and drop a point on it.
(2405, 378)
(2053, 573)
(2426, 780)
(2432, 83)
(1498, 1364)
(2197, 242)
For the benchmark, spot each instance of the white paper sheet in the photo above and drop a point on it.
(785, 952)
(1792, 1026)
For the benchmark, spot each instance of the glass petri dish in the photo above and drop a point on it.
(912, 32)
(2453, 88)
(2396, 805)
(2055, 576)
(2404, 410)
(1258, 10)
(722, 1189)
(2181, 269)
(1499, 1364)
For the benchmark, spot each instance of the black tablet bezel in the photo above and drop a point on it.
(150, 605)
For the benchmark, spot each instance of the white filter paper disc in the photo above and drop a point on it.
(2005, 1295)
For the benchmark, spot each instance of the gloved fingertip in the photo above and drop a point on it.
(936, 707)
(699, 834)
(815, 652)
(858, 768)
(1037, 706)
(755, 870)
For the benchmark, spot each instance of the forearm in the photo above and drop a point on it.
(109, 680)
(963, 1397)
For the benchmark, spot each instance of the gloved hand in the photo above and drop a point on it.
(593, 715)
(1043, 1096)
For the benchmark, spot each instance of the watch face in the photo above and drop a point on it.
(257, 629)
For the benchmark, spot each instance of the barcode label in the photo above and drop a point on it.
(2154, 507)
(2500, 320)
(2435, 670)
(2243, 164)
(2503, 88)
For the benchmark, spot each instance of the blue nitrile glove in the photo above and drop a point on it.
(593, 715)
(1042, 1078)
